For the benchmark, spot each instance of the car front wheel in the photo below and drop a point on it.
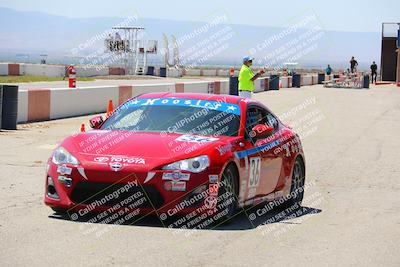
(228, 193)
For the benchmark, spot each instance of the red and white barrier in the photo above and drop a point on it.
(47, 104)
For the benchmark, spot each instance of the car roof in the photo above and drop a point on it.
(231, 99)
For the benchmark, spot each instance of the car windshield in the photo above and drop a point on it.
(172, 115)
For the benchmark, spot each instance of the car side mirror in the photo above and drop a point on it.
(261, 131)
(96, 122)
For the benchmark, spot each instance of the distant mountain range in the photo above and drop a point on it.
(26, 35)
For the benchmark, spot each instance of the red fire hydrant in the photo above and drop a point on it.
(71, 71)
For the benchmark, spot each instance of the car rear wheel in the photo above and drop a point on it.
(228, 193)
(298, 180)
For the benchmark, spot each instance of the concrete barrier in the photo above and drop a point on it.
(13, 69)
(284, 81)
(116, 71)
(328, 77)
(197, 87)
(27, 69)
(85, 101)
(157, 72)
(99, 70)
(22, 115)
(90, 71)
(39, 104)
(211, 73)
(259, 85)
(193, 72)
(3, 69)
(48, 104)
(42, 70)
(224, 87)
(223, 73)
(151, 88)
(216, 87)
(306, 80)
(314, 79)
(174, 73)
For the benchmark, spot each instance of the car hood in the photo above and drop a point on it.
(144, 150)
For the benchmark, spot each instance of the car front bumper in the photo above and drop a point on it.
(99, 191)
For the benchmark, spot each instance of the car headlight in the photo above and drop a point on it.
(62, 156)
(197, 164)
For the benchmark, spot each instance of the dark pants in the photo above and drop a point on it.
(373, 74)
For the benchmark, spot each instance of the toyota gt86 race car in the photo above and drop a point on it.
(177, 153)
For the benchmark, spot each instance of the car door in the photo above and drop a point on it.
(264, 164)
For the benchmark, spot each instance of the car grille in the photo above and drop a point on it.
(89, 193)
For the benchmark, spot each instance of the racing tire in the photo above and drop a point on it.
(228, 194)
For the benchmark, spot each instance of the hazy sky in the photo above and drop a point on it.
(343, 15)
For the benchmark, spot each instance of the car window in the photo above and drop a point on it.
(181, 116)
(254, 116)
(258, 115)
(271, 121)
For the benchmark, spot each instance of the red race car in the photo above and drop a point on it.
(177, 153)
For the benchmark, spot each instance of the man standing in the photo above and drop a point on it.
(374, 69)
(247, 78)
(353, 64)
(328, 70)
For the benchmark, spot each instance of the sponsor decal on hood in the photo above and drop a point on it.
(120, 159)
(195, 139)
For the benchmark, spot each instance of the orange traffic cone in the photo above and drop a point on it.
(110, 108)
(83, 128)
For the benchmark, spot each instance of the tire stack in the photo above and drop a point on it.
(233, 85)
(8, 107)
(296, 80)
(273, 82)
